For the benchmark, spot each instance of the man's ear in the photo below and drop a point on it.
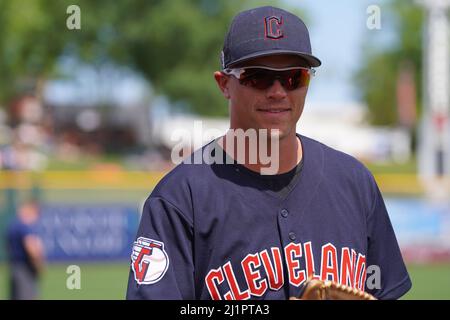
(223, 82)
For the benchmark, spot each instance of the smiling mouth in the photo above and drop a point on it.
(274, 110)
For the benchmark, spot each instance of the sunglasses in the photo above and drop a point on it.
(262, 77)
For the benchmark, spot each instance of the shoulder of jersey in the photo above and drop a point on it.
(340, 162)
(182, 177)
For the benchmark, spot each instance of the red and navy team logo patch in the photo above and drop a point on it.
(272, 27)
(149, 260)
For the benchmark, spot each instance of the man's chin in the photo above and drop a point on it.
(277, 133)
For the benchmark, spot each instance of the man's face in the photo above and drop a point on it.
(272, 108)
(29, 212)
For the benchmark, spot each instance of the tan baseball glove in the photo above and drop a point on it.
(328, 290)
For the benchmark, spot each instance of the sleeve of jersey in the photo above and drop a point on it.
(27, 230)
(392, 280)
(162, 265)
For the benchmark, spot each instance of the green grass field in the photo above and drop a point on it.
(98, 281)
(429, 282)
(108, 281)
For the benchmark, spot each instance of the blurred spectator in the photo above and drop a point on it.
(25, 253)
(19, 156)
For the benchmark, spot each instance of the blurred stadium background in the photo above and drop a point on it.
(88, 117)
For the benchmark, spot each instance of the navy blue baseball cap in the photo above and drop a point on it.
(266, 31)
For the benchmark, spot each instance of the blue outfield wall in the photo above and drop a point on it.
(88, 232)
(100, 232)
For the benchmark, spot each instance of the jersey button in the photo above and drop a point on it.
(292, 235)
(284, 213)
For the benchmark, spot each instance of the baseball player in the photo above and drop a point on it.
(25, 252)
(227, 229)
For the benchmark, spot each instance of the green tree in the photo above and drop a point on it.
(174, 44)
(378, 76)
(30, 44)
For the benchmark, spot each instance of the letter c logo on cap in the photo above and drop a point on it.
(272, 27)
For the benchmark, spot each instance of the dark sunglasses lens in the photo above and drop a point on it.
(258, 78)
(305, 77)
(293, 79)
(262, 79)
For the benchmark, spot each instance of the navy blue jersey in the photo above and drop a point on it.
(212, 231)
(16, 233)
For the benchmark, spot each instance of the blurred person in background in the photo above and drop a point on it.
(25, 253)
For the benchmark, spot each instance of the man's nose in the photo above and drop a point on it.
(276, 91)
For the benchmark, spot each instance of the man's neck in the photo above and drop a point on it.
(289, 153)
